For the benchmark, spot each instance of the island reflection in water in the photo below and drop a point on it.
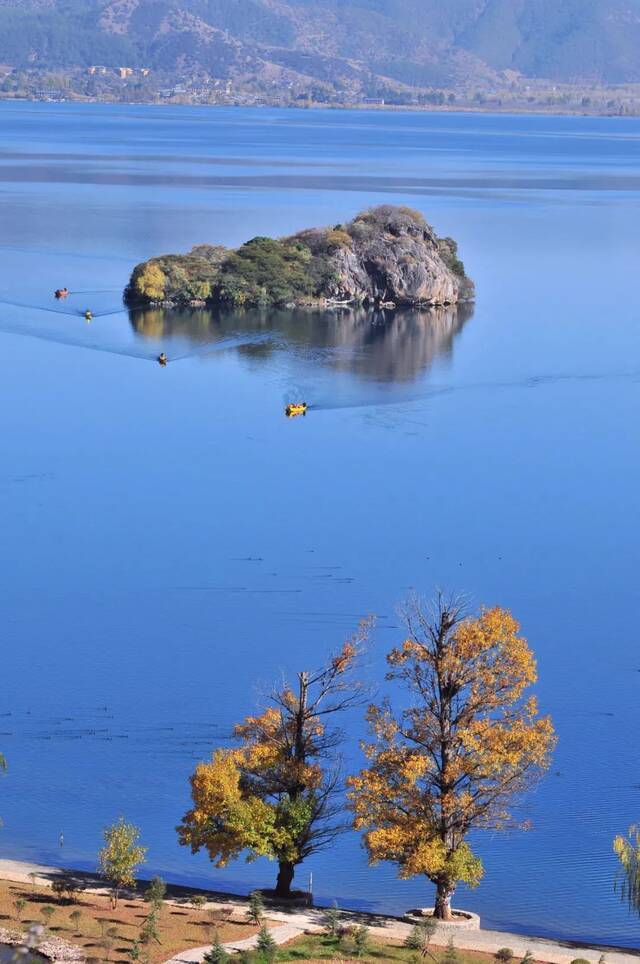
(381, 345)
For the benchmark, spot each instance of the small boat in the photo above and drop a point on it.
(61, 292)
(88, 315)
(298, 408)
(162, 359)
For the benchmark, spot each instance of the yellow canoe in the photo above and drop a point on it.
(300, 408)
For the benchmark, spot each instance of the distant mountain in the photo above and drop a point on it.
(408, 42)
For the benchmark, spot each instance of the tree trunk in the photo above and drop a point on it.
(444, 893)
(286, 871)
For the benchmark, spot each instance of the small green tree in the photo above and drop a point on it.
(266, 945)
(197, 901)
(156, 892)
(332, 918)
(75, 917)
(19, 904)
(47, 913)
(135, 952)
(504, 955)
(120, 856)
(450, 956)
(255, 912)
(149, 930)
(216, 953)
(361, 940)
(419, 937)
(528, 958)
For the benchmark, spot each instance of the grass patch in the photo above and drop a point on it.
(312, 948)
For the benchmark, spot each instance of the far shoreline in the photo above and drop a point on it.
(492, 111)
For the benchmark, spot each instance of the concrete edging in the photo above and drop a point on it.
(465, 920)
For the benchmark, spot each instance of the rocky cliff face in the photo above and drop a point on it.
(387, 255)
(396, 256)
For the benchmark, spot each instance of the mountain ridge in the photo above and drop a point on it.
(411, 43)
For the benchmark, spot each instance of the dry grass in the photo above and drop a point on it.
(180, 925)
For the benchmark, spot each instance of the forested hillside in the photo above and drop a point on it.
(412, 42)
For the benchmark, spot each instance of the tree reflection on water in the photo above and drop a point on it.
(383, 345)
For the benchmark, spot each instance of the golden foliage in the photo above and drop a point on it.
(337, 238)
(151, 282)
(272, 795)
(628, 853)
(455, 757)
(121, 855)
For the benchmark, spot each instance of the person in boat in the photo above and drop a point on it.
(61, 292)
(88, 314)
(162, 358)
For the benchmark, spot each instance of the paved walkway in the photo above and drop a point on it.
(281, 935)
(294, 922)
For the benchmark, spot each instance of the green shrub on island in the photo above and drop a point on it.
(580, 960)
(449, 253)
(266, 272)
(386, 254)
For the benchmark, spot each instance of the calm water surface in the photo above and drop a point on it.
(170, 543)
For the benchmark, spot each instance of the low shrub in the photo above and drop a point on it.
(504, 955)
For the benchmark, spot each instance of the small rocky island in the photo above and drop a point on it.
(385, 256)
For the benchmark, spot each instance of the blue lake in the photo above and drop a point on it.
(171, 543)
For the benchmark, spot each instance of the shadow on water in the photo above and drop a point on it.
(381, 345)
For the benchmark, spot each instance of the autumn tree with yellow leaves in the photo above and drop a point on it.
(628, 879)
(278, 793)
(453, 759)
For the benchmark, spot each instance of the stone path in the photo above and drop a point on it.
(296, 921)
(282, 934)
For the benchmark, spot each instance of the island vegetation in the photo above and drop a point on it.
(387, 255)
